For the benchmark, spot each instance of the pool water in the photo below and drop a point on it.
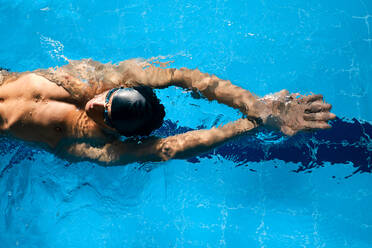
(262, 190)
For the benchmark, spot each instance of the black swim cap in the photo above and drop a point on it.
(135, 111)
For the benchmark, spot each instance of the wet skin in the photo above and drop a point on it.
(57, 106)
(34, 109)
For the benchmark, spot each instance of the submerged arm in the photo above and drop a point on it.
(159, 149)
(85, 78)
(286, 112)
(210, 86)
(80, 92)
(289, 113)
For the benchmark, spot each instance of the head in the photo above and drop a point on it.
(128, 111)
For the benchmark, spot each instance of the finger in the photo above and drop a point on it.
(313, 98)
(317, 125)
(288, 131)
(332, 116)
(317, 107)
(321, 116)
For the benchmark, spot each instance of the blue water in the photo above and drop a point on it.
(263, 190)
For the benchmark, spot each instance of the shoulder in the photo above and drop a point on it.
(33, 80)
(79, 89)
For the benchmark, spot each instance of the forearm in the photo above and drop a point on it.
(214, 88)
(210, 86)
(156, 149)
(180, 146)
(195, 142)
(113, 153)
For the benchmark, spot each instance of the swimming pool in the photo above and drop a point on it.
(264, 190)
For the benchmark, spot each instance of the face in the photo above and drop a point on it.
(95, 109)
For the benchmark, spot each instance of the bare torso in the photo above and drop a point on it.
(32, 108)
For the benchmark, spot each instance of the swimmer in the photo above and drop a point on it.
(80, 111)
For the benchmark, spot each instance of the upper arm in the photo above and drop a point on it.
(83, 79)
(154, 149)
(139, 72)
(108, 154)
(113, 153)
(79, 90)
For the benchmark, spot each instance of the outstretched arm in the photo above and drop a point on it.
(289, 113)
(210, 86)
(158, 149)
(286, 112)
(85, 78)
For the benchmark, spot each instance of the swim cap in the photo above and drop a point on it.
(129, 109)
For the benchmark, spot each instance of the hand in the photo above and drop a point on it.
(291, 113)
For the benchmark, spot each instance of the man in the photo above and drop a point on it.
(80, 110)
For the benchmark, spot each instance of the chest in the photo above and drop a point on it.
(33, 87)
(32, 98)
(41, 121)
(35, 109)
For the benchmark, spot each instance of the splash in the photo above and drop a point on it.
(166, 60)
(54, 47)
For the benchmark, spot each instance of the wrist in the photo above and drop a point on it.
(262, 110)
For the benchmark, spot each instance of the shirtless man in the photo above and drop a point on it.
(80, 110)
